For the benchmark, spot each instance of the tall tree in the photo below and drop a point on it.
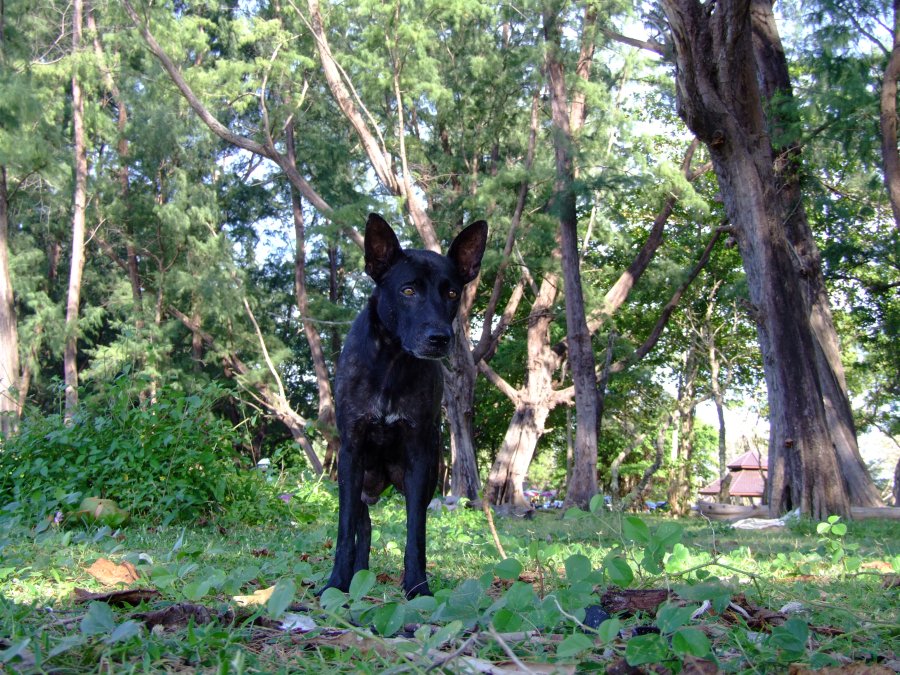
(719, 99)
(782, 117)
(79, 209)
(9, 336)
(583, 482)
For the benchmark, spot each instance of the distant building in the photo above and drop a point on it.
(748, 478)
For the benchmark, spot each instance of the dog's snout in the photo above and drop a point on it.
(439, 340)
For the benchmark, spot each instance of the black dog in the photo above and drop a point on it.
(388, 391)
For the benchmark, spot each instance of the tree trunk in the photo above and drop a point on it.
(679, 490)
(9, 335)
(718, 97)
(533, 402)
(583, 485)
(505, 480)
(777, 92)
(327, 421)
(889, 151)
(896, 489)
(70, 354)
(459, 399)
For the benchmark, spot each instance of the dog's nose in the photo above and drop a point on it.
(439, 340)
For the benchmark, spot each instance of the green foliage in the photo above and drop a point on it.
(169, 460)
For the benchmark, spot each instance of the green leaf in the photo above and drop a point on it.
(598, 504)
(691, 641)
(671, 617)
(281, 597)
(509, 569)
(389, 618)
(839, 529)
(643, 649)
(124, 631)
(422, 603)
(618, 570)
(506, 621)
(636, 530)
(609, 630)
(362, 583)
(573, 645)
(823, 528)
(99, 620)
(578, 567)
(15, 650)
(332, 599)
(445, 634)
(196, 590)
(668, 534)
(791, 636)
(520, 596)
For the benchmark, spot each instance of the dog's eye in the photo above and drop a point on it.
(408, 291)
(452, 294)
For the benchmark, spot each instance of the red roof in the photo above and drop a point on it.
(752, 459)
(747, 484)
(712, 488)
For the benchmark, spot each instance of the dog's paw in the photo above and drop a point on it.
(416, 589)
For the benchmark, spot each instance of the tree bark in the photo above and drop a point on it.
(583, 485)
(679, 490)
(327, 421)
(533, 401)
(777, 92)
(70, 354)
(9, 335)
(889, 151)
(718, 98)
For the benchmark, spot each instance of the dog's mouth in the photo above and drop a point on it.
(430, 353)
(433, 345)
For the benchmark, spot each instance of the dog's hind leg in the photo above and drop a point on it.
(350, 506)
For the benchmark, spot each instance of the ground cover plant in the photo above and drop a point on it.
(578, 592)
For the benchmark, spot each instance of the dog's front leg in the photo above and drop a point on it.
(350, 506)
(420, 482)
(363, 538)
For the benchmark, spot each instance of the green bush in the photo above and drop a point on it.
(172, 460)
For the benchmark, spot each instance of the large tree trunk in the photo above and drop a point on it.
(890, 153)
(533, 402)
(70, 354)
(777, 92)
(505, 480)
(583, 484)
(9, 335)
(718, 97)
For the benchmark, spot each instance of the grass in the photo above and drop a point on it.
(499, 613)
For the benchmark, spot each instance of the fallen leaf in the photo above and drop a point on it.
(630, 601)
(891, 581)
(880, 565)
(109, 573)
(259, 597)
(261, 552)
(175, 616)
(691, 665)
(132, 596)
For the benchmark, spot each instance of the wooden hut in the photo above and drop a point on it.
(748, 478)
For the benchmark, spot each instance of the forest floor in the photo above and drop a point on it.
(687, 595)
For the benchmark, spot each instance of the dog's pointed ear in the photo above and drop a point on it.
(467, 250)
(382, 247)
